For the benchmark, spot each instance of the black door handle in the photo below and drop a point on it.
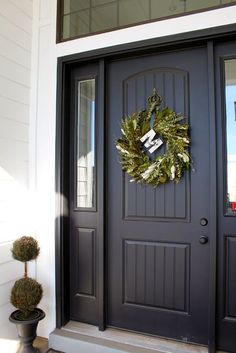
(203, 239)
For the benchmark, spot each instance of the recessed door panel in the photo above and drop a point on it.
(156, 275)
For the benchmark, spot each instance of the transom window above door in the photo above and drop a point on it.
(77, 18)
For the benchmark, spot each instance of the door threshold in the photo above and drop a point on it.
(79, 337)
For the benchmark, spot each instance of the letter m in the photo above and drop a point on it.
(150, 144)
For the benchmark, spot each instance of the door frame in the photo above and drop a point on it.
(206, 38)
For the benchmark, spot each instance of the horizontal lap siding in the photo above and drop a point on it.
(15, 74)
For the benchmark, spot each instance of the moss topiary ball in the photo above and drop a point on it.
(25, 295)
(25, 249)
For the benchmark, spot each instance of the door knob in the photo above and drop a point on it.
(203, 222)
(203, 239)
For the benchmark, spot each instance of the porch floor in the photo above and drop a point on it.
(41, 343)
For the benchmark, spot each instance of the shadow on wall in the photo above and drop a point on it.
(16, 218)
(15, 203)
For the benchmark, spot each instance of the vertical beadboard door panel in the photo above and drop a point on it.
(153, 233)
(170, 202)
(157, 275)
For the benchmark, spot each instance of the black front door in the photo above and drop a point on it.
(158, 271)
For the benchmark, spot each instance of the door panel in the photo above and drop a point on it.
(226, 154)
(157, 275)
(167, 203)
(158, 272)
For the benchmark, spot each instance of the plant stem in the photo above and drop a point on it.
(26, 270)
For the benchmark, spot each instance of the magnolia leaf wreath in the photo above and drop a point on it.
(137, 144)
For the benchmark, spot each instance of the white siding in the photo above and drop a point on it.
(15, 77)
(42, 155)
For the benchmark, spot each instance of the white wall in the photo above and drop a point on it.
(43, 110)
(15, 76)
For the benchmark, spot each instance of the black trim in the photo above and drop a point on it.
(59, 24)
(166, 42)
(101, 245)
(59, 203)
(60, 15)
(62, 192)
(213, 200)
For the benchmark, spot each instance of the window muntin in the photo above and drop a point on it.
(85, 190)
(84, 17)
(230, 114)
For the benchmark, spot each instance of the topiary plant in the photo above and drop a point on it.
(25, 249)
(25, 296)
(26, 292)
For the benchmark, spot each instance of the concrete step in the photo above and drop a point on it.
(82, 338)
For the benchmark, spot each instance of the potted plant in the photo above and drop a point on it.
(25, 295)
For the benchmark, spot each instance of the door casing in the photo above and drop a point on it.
(188, 40)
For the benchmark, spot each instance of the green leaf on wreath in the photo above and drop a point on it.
(168, 125)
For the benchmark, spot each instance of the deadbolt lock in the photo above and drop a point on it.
(203, 222)
(203, 239)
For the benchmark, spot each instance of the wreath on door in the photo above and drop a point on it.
(144, 133)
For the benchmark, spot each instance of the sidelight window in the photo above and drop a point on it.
(86, 144)
(230, 112)
(83, 17)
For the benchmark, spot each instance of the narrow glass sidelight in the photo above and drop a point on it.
(230, 110)
(85, 193)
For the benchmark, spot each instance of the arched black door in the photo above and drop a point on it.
(158, 271)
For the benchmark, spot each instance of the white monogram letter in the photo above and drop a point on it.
(150, 144)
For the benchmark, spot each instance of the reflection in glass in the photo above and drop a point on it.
(103, 17)
(82, 17)
(230, 104)
(75, 23)
(133, 11)
(86, 144)
(75, 5)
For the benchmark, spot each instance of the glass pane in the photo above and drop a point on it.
(227, 1)
(82, 17)
(192, 5)
(76, 24)
(133, 11)
(75, 5)
(104, 17)
(86, 144)
(166, 8)
(101, 2)
(230, 101)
